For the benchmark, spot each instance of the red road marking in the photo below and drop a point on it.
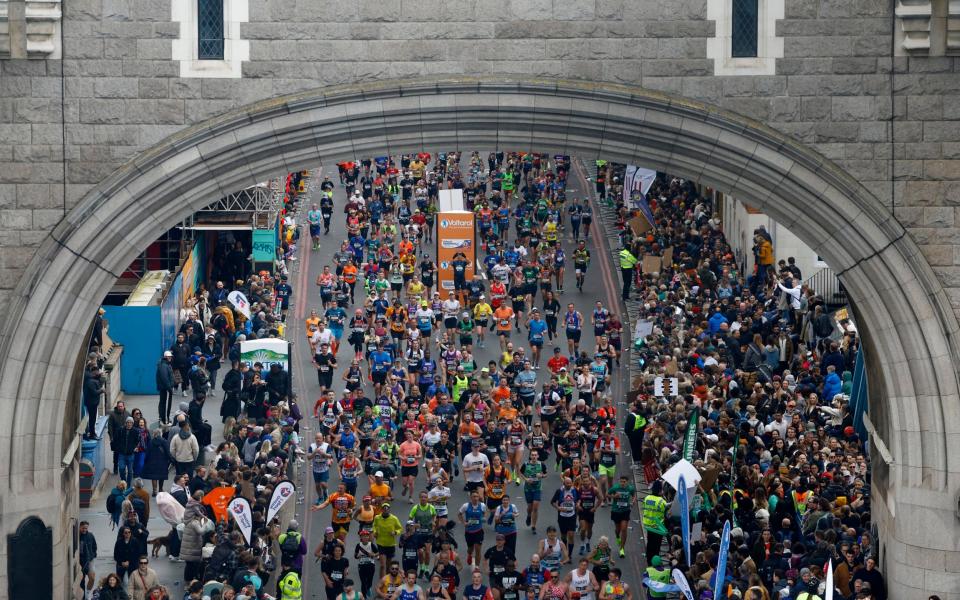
(636, 559)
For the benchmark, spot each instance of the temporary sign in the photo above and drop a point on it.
(455, 235)
(267, 352)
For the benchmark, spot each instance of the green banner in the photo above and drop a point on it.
(690, 439)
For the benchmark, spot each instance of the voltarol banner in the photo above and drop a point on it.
(283, 492)
(240, 509)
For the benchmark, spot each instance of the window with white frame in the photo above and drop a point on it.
(745, 41)
(209, 44)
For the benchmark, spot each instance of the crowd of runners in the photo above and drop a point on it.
(407, 417)
(407, 412)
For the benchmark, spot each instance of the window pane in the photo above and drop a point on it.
(744, 34)
(210, 29)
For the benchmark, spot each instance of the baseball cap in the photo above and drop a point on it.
(328, 530)
(168, 354)
(378, 474)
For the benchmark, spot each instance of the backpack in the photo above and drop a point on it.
(140, 507)
(112, 503)
(290, 546)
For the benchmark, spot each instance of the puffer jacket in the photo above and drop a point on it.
(191, 546)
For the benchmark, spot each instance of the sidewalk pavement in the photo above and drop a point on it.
(170, 573)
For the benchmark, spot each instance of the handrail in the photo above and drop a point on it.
(828, 286)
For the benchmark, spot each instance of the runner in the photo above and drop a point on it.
(565, 502)
(314, 217)
(622, 497)
(573, 323)
(581, 260)
(471, 516)
(532, 473)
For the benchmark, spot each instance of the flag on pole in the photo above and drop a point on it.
(722, 561)
(690, 439)
(240, 509)
(283, 492)
(684, 499)
(828, 585)
(237, 299)
(682, 583)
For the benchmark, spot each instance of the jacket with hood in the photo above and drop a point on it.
(184, 447)
(165, 376)
(194, 526)
(157, 462)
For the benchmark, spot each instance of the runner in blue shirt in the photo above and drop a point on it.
(380, 363)
(313, 218)
(573, 322)
(536, 328)
(336, 317)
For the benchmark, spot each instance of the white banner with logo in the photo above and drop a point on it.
(240, 509)
(283, 492)
(241, 303)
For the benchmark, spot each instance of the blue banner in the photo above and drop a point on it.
(721, 574)
(858, 395)
(684, 499)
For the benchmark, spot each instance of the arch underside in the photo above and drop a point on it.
(912, 328)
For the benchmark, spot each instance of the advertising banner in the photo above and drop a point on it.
(690, 439)
(721, 573)
(266, 352)
(283, 492)
(240, 509)
(455, 234)
(240, 302)
(683, 584)
(683, 496)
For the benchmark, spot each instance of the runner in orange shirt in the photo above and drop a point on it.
(343, 504)
(503, 316)
(410, 454)
(350, 276)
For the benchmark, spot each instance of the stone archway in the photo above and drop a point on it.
(911, 329)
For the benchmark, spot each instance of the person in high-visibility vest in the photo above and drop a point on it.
(654, 519)
(627, 264)
(634, 425)
(290, 587)
(657, 572)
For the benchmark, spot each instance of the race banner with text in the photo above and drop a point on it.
(690, 439)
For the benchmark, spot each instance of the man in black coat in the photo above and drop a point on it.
(92, 390)
(232, 388)
(182, 352)
(278, 384)
(165, 386)
(127, 441)
(200, 427)
(115, 423)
